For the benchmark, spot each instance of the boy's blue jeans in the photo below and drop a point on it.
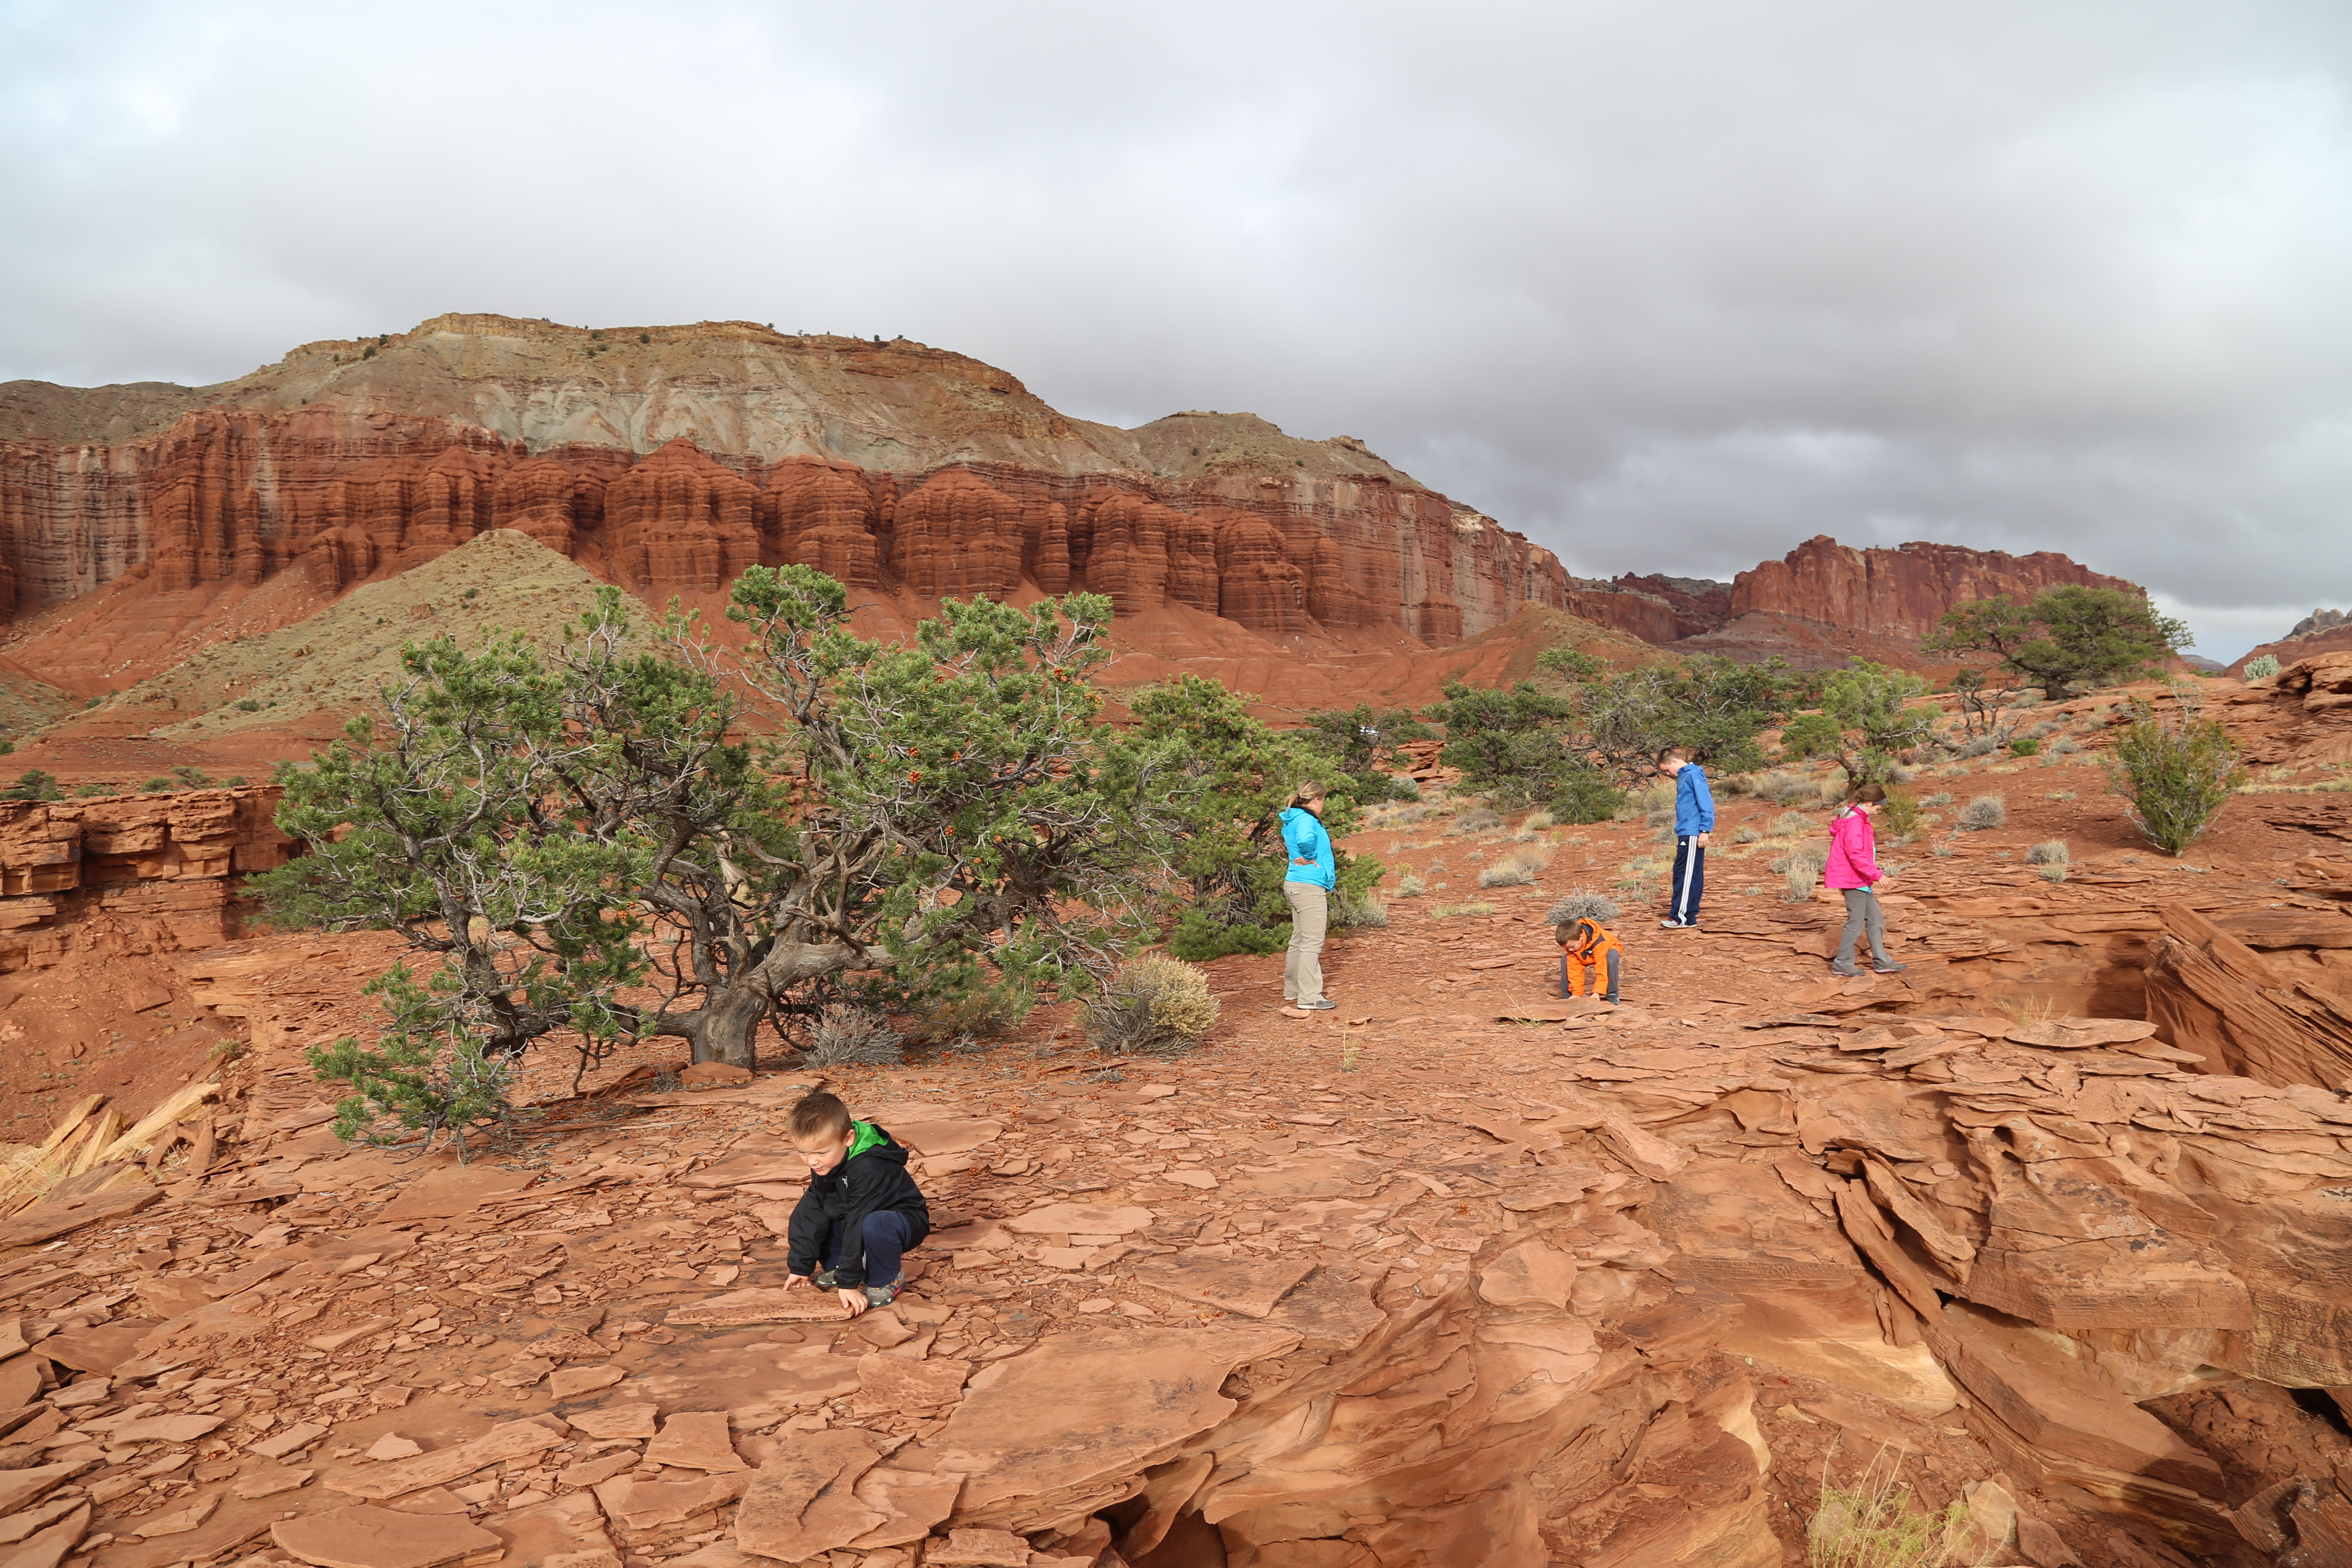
(886, 1238)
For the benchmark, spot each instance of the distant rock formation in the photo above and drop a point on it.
(1900, 593)
(2322, 631)
(669, 459)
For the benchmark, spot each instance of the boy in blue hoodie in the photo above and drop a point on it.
(1694, 826)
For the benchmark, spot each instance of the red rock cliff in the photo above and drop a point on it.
(673, 463)
(1900, 593)
(135, 874)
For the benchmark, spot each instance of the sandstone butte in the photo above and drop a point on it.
(138, 522)
(2053, 1224)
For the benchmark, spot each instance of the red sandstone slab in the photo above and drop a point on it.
(365, 1537)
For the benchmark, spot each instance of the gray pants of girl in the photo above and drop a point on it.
(1863, 915)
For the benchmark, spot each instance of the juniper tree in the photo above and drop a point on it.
(562, 833)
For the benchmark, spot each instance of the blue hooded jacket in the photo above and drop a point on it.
(1694, 804)
(1303, 838)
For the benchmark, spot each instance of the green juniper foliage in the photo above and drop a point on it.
(1363, 742)
(554, 831)
(2175, 771)
(2068, 637)
(1868, 704)
(1226, 840)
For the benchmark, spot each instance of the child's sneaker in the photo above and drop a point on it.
(1844, 967)
(883, 1294)
(823, 1280)
(1888, 967)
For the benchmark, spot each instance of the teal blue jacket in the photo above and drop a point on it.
(1303, 838)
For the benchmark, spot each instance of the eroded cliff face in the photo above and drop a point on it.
(1900, 593)
(674, 462)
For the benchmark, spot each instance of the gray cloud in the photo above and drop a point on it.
(1669, 286)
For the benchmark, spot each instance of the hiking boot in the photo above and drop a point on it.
(1844, 967)
(883, 1294)
(1888, 966)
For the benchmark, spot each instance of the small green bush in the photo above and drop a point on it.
(968, 1021)
(1810, 735)
(247, 705)
(1899, 817)
(2025, 746)
(1152, 1006)
(1404, 786)
(158, 786)
(34, 784)
(2262, 668)
(2174, 771)
(1587, 796)
(1199, 938)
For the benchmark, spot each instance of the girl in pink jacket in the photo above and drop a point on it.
(1851, 870)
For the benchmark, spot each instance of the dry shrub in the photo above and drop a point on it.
(972, 1021)
(1802, 866)
(1582, 904)
(847, 1036)
(1506, 874)
(2050, 852)
(1986, 811)
(1152, 1006)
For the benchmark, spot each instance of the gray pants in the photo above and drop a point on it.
(1863, 915)
(1302, 972)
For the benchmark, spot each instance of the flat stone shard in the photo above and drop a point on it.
(1248, 1286)
(365, 1537)
(1529, 1275)
(1082, 1407)
(509, 1441)
(1082, 1219)
(695, 1440)
(572, 1382)
(889, 1383)
(967, 1548)
(911, 1501)
(52, 1543)
(618, 1421)
(803, 1502)
(763, 1305)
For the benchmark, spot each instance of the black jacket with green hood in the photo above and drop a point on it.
(873, 1178)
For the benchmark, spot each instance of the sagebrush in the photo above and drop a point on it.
(846, 1035)
(1152, 1006)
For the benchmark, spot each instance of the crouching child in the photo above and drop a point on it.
(1588, 957)
(862, 1210)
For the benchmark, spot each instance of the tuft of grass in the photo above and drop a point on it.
(2050, 852)
(1871, 1524)
(2053, 873)
(1441, 911)
(1802, 867)
(1506, 874)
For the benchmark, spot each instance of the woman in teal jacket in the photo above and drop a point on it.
(1308, 885)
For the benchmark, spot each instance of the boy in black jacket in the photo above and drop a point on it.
(861, 1211)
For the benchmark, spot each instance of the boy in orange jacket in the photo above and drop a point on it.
(1588, 949)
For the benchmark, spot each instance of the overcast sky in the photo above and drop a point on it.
(1669, 286)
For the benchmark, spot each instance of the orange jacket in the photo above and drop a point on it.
(1588, 941)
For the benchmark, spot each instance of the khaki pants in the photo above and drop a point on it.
(1302, 972)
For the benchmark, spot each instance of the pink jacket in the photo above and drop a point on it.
(1853, 851)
